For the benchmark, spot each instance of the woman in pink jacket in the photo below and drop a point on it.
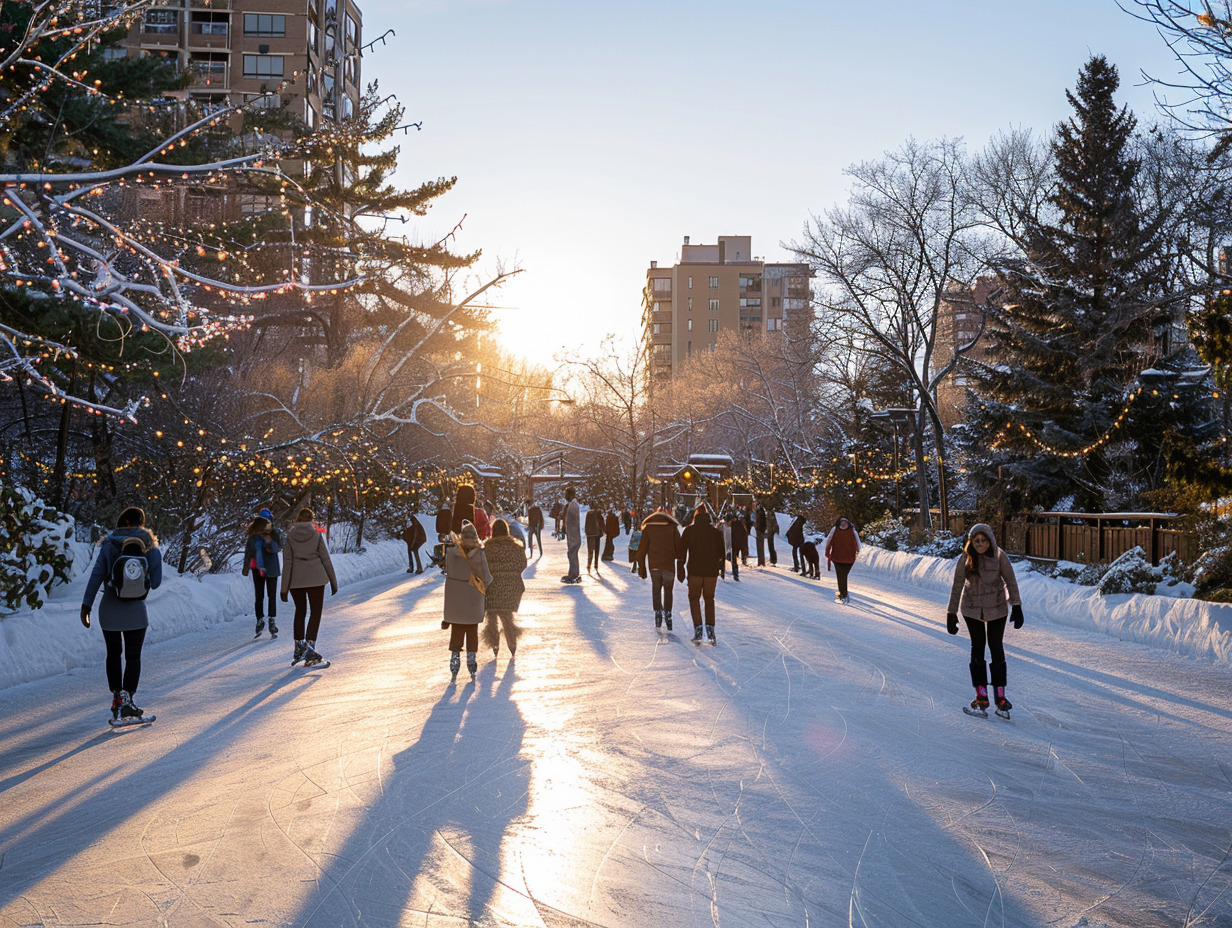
(986, 592)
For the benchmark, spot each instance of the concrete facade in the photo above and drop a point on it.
(716, 288)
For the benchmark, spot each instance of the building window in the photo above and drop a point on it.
(209, 23)
(689, 349)
(714, 283)
(714, 306)
(690, 304)
(774, 302)
(773, 325)
(751, 303)
(263, 66)
(161, 22)
(750, 282)
(690, 281)
(690, 326)
(712, 325)
(661, 285)
(266, 24)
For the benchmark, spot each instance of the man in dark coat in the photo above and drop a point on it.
(795, 538)
(594, 532)
(414, 536)
(611, 528)
(739, 543)
(659, 554)
(703, 545)
(534, 525)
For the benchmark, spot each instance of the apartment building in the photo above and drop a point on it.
(960, 323)
(715, 288)
(300, 55)
(235, 51)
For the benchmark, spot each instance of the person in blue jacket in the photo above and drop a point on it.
(123, 620)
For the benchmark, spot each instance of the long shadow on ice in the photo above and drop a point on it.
(41, 842)
(431, 845)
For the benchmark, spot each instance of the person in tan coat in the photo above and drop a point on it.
(306, 569)
(503, 597)
(985, 590)
(466, 580)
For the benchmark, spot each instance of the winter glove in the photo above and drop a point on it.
(283, 597)
(951, 623)
(444, 623)
(333, 589)
(680, 572)
(1016, 615)
(85, 616)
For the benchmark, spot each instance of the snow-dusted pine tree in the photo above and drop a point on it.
(1072, 321)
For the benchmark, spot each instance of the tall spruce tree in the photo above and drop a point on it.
(1073, 321)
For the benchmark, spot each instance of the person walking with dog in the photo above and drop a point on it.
(129, 565)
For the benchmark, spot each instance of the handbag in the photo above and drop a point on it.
(474, 580)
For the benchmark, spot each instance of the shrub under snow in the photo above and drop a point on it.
(35, 551)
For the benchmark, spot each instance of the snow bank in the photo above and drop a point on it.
(1185, 626)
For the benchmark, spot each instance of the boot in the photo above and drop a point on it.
(998, 683)
(710, 634)
(116, 702)
(301, 646)
(273, 627)
(667, 618)
(260, 627)
(455, 661)
(128, 710)
(311, 655)
(472, 663)
(697, 634)
(658, 618)
(979, 679)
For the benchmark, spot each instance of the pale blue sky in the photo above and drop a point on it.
(588, 138)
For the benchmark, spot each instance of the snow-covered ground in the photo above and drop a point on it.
(813, 769)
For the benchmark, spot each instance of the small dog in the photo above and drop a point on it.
(812, 561)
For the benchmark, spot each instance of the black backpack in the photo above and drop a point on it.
(130, 574)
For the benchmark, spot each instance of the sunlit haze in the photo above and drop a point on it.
(589, 139)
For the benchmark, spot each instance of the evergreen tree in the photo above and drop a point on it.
(1073, 321)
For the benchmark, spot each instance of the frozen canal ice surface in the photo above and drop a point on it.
(813, 769)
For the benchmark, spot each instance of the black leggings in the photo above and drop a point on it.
(308, 602)
(124, 651)
(265, 588)
(992, 634)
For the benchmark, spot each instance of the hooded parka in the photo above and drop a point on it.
(992, 590)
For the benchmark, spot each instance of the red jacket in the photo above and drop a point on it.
(842, 545)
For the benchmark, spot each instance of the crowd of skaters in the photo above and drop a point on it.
(483, 559)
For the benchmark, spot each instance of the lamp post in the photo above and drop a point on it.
(895, 416)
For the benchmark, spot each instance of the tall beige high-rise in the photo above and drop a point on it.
(240, 50)
(714, 288)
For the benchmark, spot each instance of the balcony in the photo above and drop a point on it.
(208, 74)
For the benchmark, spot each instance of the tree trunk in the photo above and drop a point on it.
(66, 419)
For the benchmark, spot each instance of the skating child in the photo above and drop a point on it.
(985, 590)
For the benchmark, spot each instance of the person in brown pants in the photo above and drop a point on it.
(703, 544)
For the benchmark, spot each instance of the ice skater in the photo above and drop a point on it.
(659, 554)
(261, 563)
(308, 568)
(122, 614)
(503, 596)
(466, 580)
(985, 590)
(842, 547)
(703, 544)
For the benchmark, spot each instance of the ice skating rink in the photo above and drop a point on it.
(812, 769)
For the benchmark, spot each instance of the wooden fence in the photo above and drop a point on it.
(1086, 537)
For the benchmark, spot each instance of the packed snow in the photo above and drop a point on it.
(812, 769)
